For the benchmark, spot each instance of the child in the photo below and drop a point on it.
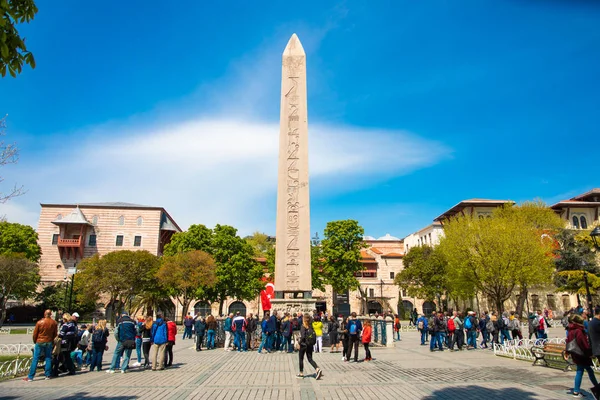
(366, 339)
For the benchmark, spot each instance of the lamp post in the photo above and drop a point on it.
(66, 280)
(74, 271)
(381, 294)
(595, 234)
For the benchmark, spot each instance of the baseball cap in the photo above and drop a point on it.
(75, 315)
(124, 313)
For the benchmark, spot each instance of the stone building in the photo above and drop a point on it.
(67, 233)
(582, 211)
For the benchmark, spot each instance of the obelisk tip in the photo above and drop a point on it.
(294, 47)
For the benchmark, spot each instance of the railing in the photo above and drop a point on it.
(16, 348)
(15, 367)
(520, 349)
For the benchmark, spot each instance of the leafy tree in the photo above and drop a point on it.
(19, 278)
(19, 239)
(261, 243)
(316, 263)
(187, 276)
(197, 237)
(121, 274)
(424, 273)
(9, 154)
(54, 297)
(13, 52)
(496, 255)
(340, 251)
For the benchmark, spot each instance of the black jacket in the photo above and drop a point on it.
(594, 331)
(251, 325)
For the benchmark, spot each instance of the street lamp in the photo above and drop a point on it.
(595, 234)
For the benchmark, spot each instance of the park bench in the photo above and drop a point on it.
(552, 355)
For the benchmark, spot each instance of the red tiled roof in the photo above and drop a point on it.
(393, 255)
(376, 250)
(365, 255)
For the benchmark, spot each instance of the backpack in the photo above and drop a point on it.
(421, 325)
(311, 337)
(294, 324)
(352, 329)
(501, 325)
(468, 323)
(536, 322)
(98, 336)
(451, 327)
(489, 326)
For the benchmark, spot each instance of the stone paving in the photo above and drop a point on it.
(408, 371)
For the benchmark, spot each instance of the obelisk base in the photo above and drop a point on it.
(292, 306)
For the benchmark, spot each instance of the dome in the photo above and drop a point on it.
(388, 237)
(368, 238)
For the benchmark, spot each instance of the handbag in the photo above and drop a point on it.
(129, 344)
(573, 348)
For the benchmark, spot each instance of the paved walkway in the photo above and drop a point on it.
(408, 371)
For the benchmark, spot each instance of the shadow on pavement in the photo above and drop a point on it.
(83, 395)
(479, 392)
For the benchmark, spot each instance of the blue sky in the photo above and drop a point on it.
(413, 106)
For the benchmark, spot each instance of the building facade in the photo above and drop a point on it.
(582, 211)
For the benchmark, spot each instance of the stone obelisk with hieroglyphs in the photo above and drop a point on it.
(292, 264)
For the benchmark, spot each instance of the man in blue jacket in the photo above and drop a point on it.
(422, 326)
(125, 335)
(354, 327)
(159, 339)
(271, 329)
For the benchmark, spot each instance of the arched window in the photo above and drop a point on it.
(140, 221)
(583, 222)
(575, 222)
(566, 302)
(121, 220)
(405, 309)
(551, 301)
(374, 307)
(202, 308)
(535, 302)
(237, 306)
(428, 308)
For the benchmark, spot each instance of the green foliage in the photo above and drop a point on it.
(187, 276)
(13, 52)
(573, 282)
(197, 237)
(574, 254)
(497, 255)
(340, 251)
(19, 278)
(261, 243)
(19, 239)
(424, 273)
(122, 274)
(54, 297)
(316, 263)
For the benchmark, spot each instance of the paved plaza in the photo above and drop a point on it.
(408, 371)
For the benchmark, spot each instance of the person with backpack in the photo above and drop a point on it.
(397, 327)
(451, 330)
(533, 323)
(68, 342)
(565, 321)
(505, 328)
(354, 328)
(138, 341)
(159, 340)
(366, 339)
(211, 329)
(99, 340)
(514, 325)
(188, 324)
(436, 331)
(471, 325)
(286, 333)
(422, 328)
(581, 355)
(308, 338)
(494, 328)
(200, 329)
(250, 329)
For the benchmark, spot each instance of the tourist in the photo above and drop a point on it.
(188, 324)
(68, 340)
(125, 334)
(199, 329)
(228, 331)
(239, 327)
(343, 336)
(423, 328)
(264, 342)
(159, 340)
(533, 323)
(171, 336)
(211, 328)
(308, 338)
(495, 328)
(471, 325)
(146, 337)
(366, 339)
(451, 328)
(278, 340)
(505, 328)
(99, 340)
(354, 328)
(482, 325)
(514, 325)
(318, 327)
(44, 333)
(271, 331)
(583, 360)
(397, 326)
(83, 340)
(565, 321)
(250, 329)
(541, 329)
(594, 332)
(436, 330)
(332, 328)
(286, 332)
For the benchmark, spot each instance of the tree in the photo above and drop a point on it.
(19, 278)
(316, 263)
(54, 297)
(9, 154)
(19, 239)
(120, 274)
(494, 256)
(341, 254)
(261, 243)
(13, 52)
(424, 273)
(187, 276)
(197, 237)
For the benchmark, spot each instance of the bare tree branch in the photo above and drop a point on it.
(9, 154)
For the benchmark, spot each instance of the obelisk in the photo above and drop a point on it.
(292, 263)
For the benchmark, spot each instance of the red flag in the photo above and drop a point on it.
(266, 295)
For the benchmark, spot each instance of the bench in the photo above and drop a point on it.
(552, 355)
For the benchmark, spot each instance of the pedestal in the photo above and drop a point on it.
(293, 306)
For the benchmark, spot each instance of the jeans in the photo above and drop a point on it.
(240, 339)
(287, 344)
(397, 335)
(442, 339)
(450, 339)
(472, 338)
(308, 351)
(146, 346)
(423, 336)
(579, 377)
(263, 342)
(97, 359)
(41, 350)
(121, 351)
(367, 351)
(505, 335)
(270, 341)
(484, 336)
(138, 349)
(435, 341)
(187, 332)
(352, 343)
(169, 354)
(210, 339)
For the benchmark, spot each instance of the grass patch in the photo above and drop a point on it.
(18, 331)
(10, 357)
